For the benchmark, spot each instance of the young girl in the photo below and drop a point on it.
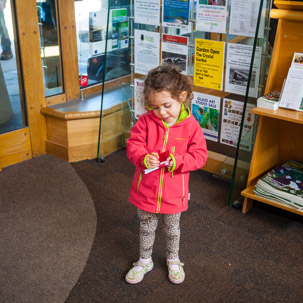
(166, 133)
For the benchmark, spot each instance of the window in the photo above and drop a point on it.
(91, 22)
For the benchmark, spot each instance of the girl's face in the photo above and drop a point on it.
(165, 107)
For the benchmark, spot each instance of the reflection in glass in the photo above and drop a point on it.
(91, 22)
(12, 115)
(49, 44)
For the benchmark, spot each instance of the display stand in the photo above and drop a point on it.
(279, 134)
(221, 156)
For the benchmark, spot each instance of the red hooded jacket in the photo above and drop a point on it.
(164, 191)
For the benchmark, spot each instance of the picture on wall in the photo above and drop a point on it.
(238, 62)
(175, 13)
(244, 18)
(211, 16)
(175, 51)
(147, 49)
(232, 112)
(206, 110)
(209, 63)
(147, 12)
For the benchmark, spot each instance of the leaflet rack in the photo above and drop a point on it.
(221, 157)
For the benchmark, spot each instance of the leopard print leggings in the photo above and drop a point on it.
(148, 226)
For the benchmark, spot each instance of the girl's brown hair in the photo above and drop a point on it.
(167, 78)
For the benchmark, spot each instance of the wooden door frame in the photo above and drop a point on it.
(30, 57)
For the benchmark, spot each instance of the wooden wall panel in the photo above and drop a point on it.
(57, 130)
(55, 99)
(69, 49)
(15, 147)
(32, 72)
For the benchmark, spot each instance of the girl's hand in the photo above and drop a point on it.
(152, 160)
(170, 163)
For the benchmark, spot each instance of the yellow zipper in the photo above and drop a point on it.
(139, 181)
(165, 140)
(162, 173)
(183, 197)
(160, 190)
(173, 149)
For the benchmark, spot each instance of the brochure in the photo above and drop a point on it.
(292, 92)
(175, 51)
(211, 16)
(97, 32)
(297, 60)
(147, 12)
(270, 100)
(118, 32)
(244, 18)
(231, 121)
(119, 28)
(209, 63)
(175, 13)
(206, 109)
(237, 69)
(147, 49)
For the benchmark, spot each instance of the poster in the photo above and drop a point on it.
(147, 12)
(238, 61)
(118, 31)
(175, 51)
(147, 49)
(175, 13)
(244, 18)
(231, 120)
(139, 103)
(209, 63)
(206, 109)
(211, 16)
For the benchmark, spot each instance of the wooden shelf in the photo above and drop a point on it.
(248, 192)
(280, 114)
(279, 134)
(291, 5)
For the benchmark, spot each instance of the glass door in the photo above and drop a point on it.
(12, 109)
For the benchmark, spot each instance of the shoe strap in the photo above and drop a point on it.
(175, 262)
(139, 263)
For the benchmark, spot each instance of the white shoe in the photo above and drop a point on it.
(175, 276)
(134, 277)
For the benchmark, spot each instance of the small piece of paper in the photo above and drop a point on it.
(149, 170)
